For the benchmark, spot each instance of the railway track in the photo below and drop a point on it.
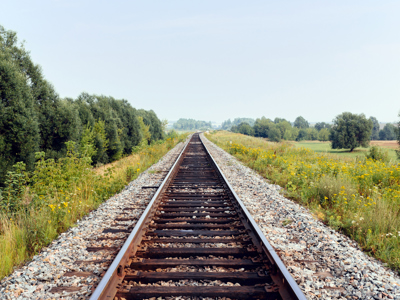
(197, 240)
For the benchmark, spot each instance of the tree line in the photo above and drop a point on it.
(227, 125)
(347, 130)
(33, 117)
(281, 129)
(191, 124)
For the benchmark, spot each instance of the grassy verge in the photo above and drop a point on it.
(360, 197)
(34, 211)
(325, 147)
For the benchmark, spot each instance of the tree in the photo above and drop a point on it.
(234, 128)
(323, 135)
(278, 120)
(284, 127)
(226, 125)
(187, 124)
(375, 128)
(100, 143)
(274, 134)
(19, 130)
(312, 134)
(246, 129)
(146, 134)
(350, 131)
(292, 134)
(261, 127)
(34, 118)
(301, 123)
(303, 135)
(389, 132)
(322, 125)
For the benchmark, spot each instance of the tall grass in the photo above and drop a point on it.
(360, 197)
(36, 208)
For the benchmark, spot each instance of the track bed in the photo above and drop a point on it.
(196, 240)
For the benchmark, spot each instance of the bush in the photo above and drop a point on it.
(11, 197)
(377, 153)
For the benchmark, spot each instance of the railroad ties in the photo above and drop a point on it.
(198, 242)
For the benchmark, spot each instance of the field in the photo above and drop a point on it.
(59, 193)
(326, 148)
(359, 197)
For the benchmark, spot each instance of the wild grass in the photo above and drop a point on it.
(35, 208)
(325, 147)
(358, 196)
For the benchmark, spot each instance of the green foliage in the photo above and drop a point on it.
(227, 125)
(285, 129)
(303, 135)
(86, 144)
(378, 153)
(350, 131)
(19, 131)
(301, 123)
(172, 134)
(155, 125)
(262, 127)
(249, 121)
(323, 135)
(100, 142)
(244, 128)
(11, 196)
(375, 128)
(274, 134)
(389, 132)
(190, 124)
(145, 132)
(312, 134)
(34, 118)
(322, 125)
(279, 120)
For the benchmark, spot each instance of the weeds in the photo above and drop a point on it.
(360, 197)
(36, 208)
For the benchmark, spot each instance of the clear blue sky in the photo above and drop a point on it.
(214, 60)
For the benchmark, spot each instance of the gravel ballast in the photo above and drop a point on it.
(55, 265)
(325, 263)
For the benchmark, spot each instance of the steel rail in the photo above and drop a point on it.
(108, 286)
(283, 274)
(115, 272)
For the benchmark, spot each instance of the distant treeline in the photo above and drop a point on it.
(190, 124)
(34, 118)
(227, 125)
(281, 129)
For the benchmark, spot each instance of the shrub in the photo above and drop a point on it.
(11, 197)
(377, 153)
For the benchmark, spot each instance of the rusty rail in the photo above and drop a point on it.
(179, 237)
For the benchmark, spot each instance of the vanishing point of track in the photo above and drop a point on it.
(196, 239)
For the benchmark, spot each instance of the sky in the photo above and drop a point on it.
(214, 60)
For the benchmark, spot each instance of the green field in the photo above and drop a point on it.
(326, 148)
